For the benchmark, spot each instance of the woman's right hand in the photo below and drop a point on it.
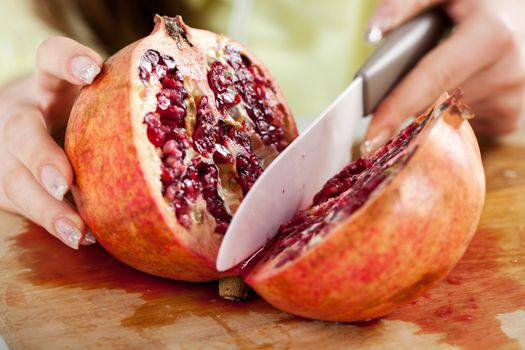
(35, 173)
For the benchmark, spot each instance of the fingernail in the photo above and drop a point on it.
(68, 232)
(378, 23)
(54, 182)
(371, 145)
(373, 35)
(84, 68)
(89, 238)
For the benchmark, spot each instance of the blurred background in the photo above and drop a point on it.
(312, 47)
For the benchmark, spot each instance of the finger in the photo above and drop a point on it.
(89, 238)
(32, 201)
(500, 114)
(60, 59)
(443, 69)
(28, 140)
(391, 13)
(505, 74)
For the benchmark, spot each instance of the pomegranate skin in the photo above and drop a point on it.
(407, 237)
(117, 188)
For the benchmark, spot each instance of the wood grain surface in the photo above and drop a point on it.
(55, 298)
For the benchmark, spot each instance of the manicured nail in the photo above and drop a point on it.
(380, 21)
(89, 238)
(84, 68)
(68, 232)
(373, 35)
(371, 145)
(54, 182)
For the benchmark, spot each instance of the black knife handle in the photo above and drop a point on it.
(398, 53)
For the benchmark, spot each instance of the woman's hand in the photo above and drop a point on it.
(35, 173)
(484, 56)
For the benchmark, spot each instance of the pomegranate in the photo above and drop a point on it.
(384, 229)
(167, 141)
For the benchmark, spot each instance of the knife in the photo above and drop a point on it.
(323, 149)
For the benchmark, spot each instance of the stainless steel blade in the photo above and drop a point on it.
(294, 177)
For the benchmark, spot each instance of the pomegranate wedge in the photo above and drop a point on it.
(384, 229)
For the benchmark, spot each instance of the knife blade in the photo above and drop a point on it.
(292, 179)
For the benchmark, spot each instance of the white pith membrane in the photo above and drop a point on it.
(144, 99)
(295, 240)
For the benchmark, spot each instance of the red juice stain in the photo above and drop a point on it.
(50, 264)
(469, 300)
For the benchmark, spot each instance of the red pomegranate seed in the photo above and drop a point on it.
(152, 56)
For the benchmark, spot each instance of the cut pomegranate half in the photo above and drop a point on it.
(167, 141)
(384, 229)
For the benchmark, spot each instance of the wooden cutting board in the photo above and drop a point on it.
(55, 298)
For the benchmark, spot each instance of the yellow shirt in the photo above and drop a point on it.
(312, 47)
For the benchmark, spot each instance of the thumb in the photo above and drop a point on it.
(391, 13)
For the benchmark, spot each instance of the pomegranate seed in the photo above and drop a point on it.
(221, 227)
(178, 75)
(152, 120)
(189, 188)
(222, 154)
(358, 166)
(203, 109)
(171, 147)
(167, 175)
(218, 78)
(168, 61)
(184, 220)
(143, 73)
(156, 136)
(248, 171)
(169, 82)
(209, 180)
(160, 71)
(172, 115)
(257, 74)
(173, 161)
(171, 191)
(163, 102)
(153, 57)
(260, 91)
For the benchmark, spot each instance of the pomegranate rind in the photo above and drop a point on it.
(407, 237)
(117, 188)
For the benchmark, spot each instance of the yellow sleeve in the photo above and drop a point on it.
(313, 49)
(22, 32)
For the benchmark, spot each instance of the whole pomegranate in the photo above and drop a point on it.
(384, 229)
(167, 141)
